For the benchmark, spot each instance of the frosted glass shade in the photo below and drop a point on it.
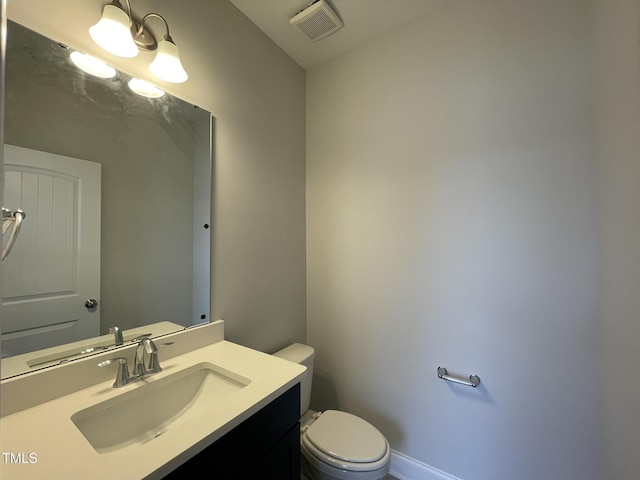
(113, 32)
(92, 65)
(144, 88)
(166, 66)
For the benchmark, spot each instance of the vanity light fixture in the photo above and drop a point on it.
(144, 88)
(92, 65)
(114, 32)
(119, 33)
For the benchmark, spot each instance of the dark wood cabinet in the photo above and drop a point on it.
(266, 445)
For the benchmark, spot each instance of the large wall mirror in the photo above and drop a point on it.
(116, 188)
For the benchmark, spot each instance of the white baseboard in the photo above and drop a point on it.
(406, 468)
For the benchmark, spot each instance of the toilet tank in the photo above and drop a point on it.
(303, 355)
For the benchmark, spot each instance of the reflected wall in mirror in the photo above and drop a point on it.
(117, 191)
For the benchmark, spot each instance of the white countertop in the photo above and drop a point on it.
(45, 443)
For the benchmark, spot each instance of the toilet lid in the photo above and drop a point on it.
(346, 437)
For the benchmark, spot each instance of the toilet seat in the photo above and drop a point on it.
(347, 442)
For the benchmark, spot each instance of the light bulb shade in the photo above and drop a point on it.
(113, 32)
(144, 88)
(166, 66)
(92, 65)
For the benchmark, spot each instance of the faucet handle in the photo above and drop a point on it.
(149, 346)
(122, 377)
(153, 364)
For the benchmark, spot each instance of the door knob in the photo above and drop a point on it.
(91, 303)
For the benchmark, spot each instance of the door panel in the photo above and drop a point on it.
(55, 264)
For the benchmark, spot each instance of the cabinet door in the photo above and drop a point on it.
(282, 461)
(265, 446)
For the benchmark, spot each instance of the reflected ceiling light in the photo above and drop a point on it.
(144, 88)
(117, 31)
(92, 65)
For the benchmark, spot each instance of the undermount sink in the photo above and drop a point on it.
(146, 412)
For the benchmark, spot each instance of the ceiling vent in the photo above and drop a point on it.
(317, 21)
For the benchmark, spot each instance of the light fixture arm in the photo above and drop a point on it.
(142, 37)
(128, 12)
(166, 25)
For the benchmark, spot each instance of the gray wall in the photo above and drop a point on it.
(256, 92)
(452, 219)
(618, 107)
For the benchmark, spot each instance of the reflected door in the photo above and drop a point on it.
(54, 269)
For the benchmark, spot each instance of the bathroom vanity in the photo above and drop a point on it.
(267, 445)
(216, 407)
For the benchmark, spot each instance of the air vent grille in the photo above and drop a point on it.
(317, 20)
(317, 25)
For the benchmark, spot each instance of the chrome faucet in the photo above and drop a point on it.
(150, 366)
(117, 334)
(142, 366)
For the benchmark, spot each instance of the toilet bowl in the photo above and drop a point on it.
(335, 445)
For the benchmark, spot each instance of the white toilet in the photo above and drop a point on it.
(335, 445)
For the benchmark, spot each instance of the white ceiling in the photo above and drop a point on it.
(363, 20)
